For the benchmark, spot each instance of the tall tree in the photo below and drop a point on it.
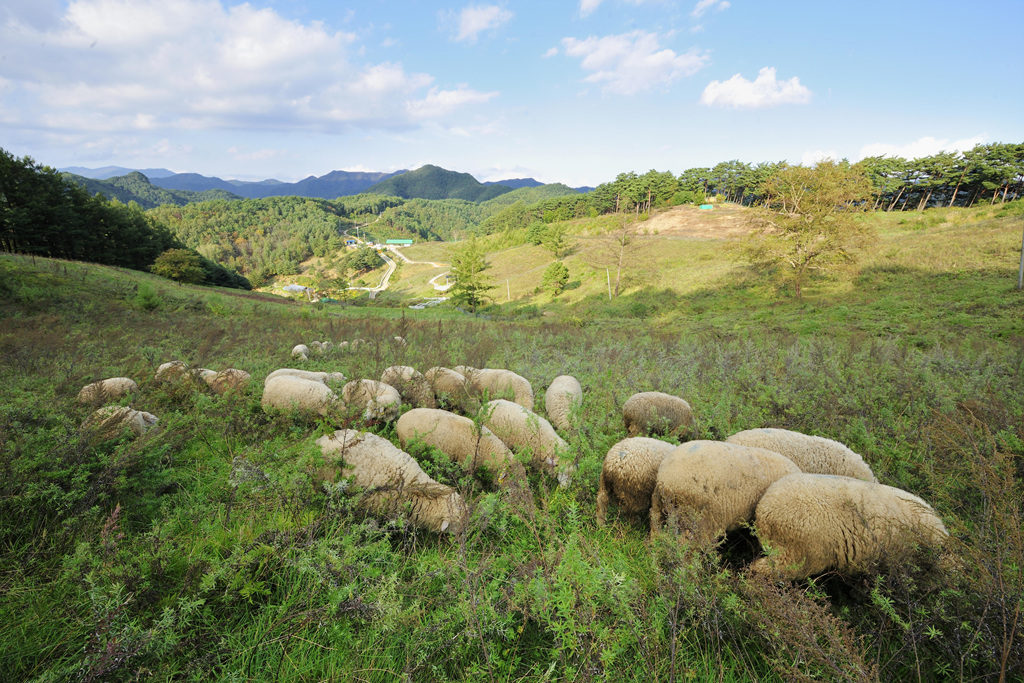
(469, 264)
(809, 224)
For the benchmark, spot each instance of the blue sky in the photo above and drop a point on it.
(572, 92)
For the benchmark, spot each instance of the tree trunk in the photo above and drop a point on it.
(957, 190)
(896, 200)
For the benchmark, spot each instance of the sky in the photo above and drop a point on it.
(573, 92)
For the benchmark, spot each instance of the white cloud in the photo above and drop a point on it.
(811, 158)
(632, 62)
(923, 147)
(121, 65)
(550, 53)
(588, 6)
(704, 5)
(475, 19)
(764, 91)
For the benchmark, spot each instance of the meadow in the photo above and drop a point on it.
(222, 546)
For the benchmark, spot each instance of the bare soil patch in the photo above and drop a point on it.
(721, 222)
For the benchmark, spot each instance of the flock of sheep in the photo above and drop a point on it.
(814, 504)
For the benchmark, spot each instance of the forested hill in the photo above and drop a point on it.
(433, 182)
(136, 187)
(331, 186)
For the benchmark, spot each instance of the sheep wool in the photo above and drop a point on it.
(451, 389)
(562, 397)
(390, 477)
(458, 438)
(325, 377)
(231, 379)
(377, 400)
(496, 383)
(411, 384)
(653, 412)
(107, 390)
(300, 352)
(522, 429)
(108, 422)
(287, 392)
(817, 522)
(713, 486)
(812, 454)
(628, 476)
(171, 371)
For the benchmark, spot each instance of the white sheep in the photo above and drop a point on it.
(110, 421)
(107, 390)
(287, 392)
(812, 454)
(300, 352)
(399, 341)
(815, 522)
(325, 377)
(523, 430)
(654, 412)
(377, 400)
(628, 476)
(411, 384)
(451, 389)
(497, 383)
(564, 395)
(170, 371)
(465, 370)
(315, 346)
(231, 379)
(390, 477)
(327, 346)
(714, 486)
(458, 438)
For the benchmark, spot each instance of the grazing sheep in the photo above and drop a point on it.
(494, 383)
(300, 351)
(287, 392)
(715, 486)
(458, 438)
(314, 346)
(451, 389)
(400, 342)
(465, 370)
(812, 454)
(563, 396)
(411, 384)
(343, 346)
(325, 377)
(231, 379)
(652, 412)
(522, 429)
(110, 421)
(390, 477)
(106, 390)
(171, 371)
(628, 476)
(379, 401)
(327, 346)
(816, 522)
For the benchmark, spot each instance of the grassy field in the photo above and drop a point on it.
(220, 547)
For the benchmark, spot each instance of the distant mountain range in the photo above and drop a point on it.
(428, 180)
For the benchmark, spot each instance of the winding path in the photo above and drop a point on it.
(391, 266)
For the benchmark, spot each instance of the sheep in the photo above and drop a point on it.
(300, 352)
(563, 396)
(411, 384)
(812, 454)
(110, 421)
(112, 389)
(451, 389)
(327, 346)
(816, 522)
(325, 377)
(458, 437)
(378, 400)
(522, 429)
(465, 370)
(231, 379)
(314, 346)
(389, 477)
(715, 485)
(399, 341)
(628, 476)
(653, 412)
(287, 392)
(495, 383)
(172, 370)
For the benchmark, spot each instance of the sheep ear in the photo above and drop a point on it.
(444, 525)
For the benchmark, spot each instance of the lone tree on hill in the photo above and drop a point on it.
(182, 265)
(468, 266)
(809, 220)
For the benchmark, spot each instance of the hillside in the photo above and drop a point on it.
(433, 182)
(224, 544)
(330, 186)
(135, 187)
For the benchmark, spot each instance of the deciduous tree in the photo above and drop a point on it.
(809, 222)
(469, 264)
